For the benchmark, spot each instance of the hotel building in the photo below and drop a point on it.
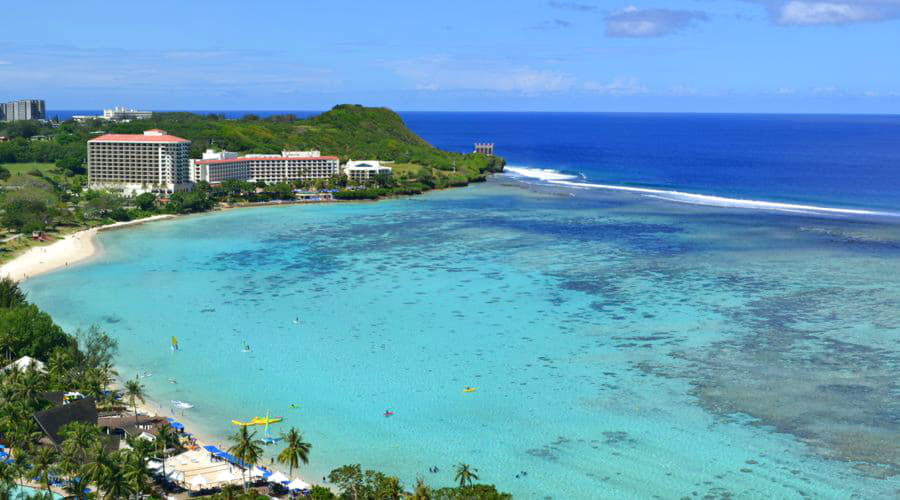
(117, 114)
(289, 166)
(24, 109)
(138, 163)
(362, 171)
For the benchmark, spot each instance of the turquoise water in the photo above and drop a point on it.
(18, 492)
(621, 346)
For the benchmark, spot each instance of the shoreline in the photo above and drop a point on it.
(71, 249)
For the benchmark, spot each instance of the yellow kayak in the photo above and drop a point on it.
(469, 389)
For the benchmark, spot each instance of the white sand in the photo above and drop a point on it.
(65, 252)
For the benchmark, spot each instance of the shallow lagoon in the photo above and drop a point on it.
(621, 346)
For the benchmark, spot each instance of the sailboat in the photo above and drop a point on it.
(267, 438)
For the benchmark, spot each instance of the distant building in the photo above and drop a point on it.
(272, 168)
(484, 148)
(116, 114)
(362, 171)
(139, 163)
(24, 109)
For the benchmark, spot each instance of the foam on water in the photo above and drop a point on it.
(561, 179)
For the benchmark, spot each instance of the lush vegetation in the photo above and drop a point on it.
(346, 131)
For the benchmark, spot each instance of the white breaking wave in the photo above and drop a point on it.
(559, 178)
(544, 174)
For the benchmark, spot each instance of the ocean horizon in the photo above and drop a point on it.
(668, 305)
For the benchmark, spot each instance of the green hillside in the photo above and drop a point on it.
(347, 131)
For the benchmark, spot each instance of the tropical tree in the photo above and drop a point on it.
(134, 391)
(78, 439)
(116, 485)
(350, 481)
(421, 491)
(9, 474)
(43, 465)
(465, 474)
(10, 293)
(246, 450)
(388, 488)
(295, 450)
(165, 436)
(99, 467)
(134, 467)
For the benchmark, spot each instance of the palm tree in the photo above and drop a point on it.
(115, 484)
(98, 468)
(79, 437)
(295, 450)
(58, 367)
(246, 450)
(389, 489)
(135, 468)
(43, 465)
(9, 475)
(76, 485)
(421, 491)
(134, 391)
(465, 474)
(165, 435)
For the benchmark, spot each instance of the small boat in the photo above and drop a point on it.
(181, 405)
(173, 381)
(174, 344)
(246, 347)
(297, 321)
(294, 406)
(388, 413)
(469, 389)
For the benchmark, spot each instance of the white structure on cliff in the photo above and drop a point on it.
(362, 171)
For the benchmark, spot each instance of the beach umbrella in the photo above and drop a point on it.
(198, 481)
(154, 465)
(257, 473)
(298, 484)
(226, 476)
(278, 478)
(175, 475)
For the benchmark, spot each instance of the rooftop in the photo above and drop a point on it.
(154, 135)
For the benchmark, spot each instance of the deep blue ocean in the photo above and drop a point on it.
(649, 306)
(824, 160)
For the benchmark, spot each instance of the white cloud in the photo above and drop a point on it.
(807, 13)
(645, 23)
(830, 12)
(618, 87)
(5, 62)
(449, 73)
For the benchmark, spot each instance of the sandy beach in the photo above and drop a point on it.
(71, 249)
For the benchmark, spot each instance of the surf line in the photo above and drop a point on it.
(551, 176)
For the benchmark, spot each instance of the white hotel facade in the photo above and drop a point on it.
(153, 162)
(215, 167)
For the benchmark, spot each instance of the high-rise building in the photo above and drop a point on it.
(23, 109)
(133, 163)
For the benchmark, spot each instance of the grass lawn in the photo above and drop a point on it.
(21, 168)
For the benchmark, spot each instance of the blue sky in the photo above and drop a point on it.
(507, 55)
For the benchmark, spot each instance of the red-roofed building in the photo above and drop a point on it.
(139, 163)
